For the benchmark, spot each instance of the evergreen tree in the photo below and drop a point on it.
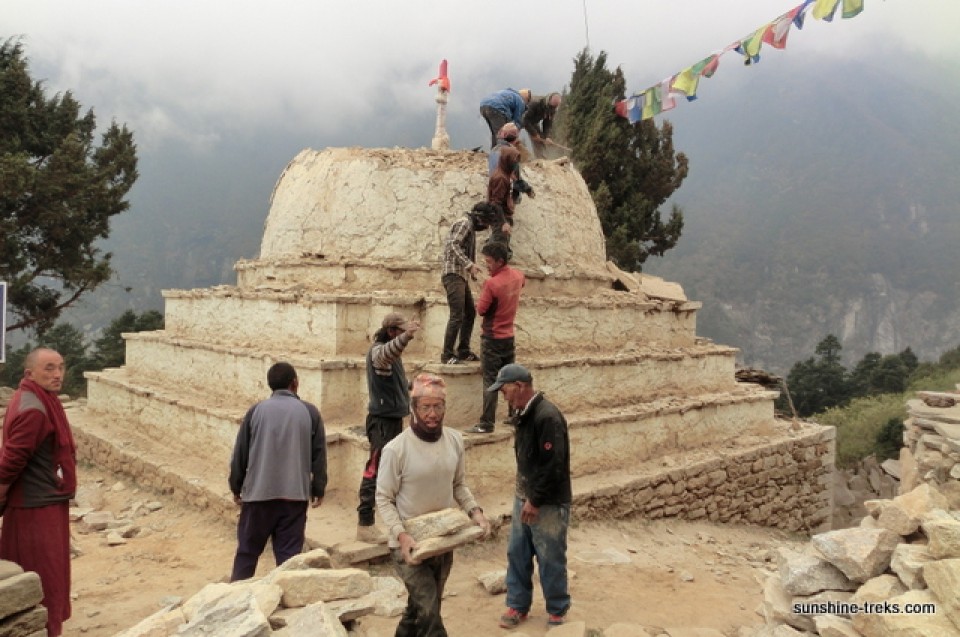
(109, 349)
(58, 191)
(821, 382)
(630, 169)
(65, 339)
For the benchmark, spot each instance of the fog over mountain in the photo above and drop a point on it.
(821, 198)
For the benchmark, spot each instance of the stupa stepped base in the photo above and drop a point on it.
(781, 479)
(323, 325)
(316, 272)
(188, 421)
(236, 375)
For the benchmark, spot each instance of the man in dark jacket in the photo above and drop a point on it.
(538, 119)
(279, 464)
(541, 510)
(389, 404)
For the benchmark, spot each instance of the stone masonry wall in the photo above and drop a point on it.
(783, 483)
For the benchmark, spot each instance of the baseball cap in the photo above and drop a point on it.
(511, 373)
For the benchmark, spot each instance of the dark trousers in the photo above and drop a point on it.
(380, 431)
(282, 521)
(495, 120)
(497, 235)
(462, 316)
(424, 582)
(494, 354)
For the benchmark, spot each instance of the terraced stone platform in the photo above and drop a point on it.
(658, 424)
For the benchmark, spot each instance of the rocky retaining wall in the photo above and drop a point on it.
(783, 483)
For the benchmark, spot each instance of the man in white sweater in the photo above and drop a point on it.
(421, 471)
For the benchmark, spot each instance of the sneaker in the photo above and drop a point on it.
(511, 420)
(453, 360)
(512, 618)
(555, 620)
(470, 358)
(480, 428)
(371, 535)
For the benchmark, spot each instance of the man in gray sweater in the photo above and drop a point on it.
(279, 464)
(422, 470)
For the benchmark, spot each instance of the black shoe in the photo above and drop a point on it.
(511, 420)
(469, 358)
(453, 360)
(480, 428)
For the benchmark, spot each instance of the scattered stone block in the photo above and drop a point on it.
(358, 552)
(162, 623)
(944, 537)
(236, 615)
(904, 513)
(9, 569)
(891, 467)
(776, 606)
(833, 626)
(115, 539)
(908, 561)
(77, 513)
(28, 622)
(859, 553)
(802, 574)
(943, 578)
(914, 625)
(316, 619)
(302, 588)
(19, 592)
(494, 582)
(316, 558)
(621, 629)
(879, 588)
(97, 520)
(348, 610)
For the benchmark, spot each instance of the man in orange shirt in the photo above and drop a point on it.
(497, 305)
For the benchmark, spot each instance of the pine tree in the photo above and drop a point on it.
(630, 169)
(58, 191)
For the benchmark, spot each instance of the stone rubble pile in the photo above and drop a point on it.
(897, 572)
(867, 480)
(932, 439)
(304, 596)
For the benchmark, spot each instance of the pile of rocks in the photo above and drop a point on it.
(897, 571)
(21, 614)
(932, 440)
(867, 480)
(304, 596)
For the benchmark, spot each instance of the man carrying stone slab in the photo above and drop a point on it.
(38, 476)
(541, 509)
(279, 464)
(389, 404)
(421, 471)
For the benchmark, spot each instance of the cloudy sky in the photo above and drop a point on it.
(195, 73)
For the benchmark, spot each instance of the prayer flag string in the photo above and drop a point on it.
(662, 96)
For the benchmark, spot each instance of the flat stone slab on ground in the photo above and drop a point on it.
(357, 552)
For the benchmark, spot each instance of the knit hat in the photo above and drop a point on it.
(394, 319)
(429, 386)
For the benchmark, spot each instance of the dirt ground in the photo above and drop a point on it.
(672, 573)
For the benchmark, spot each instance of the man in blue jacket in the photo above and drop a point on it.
(504, 106)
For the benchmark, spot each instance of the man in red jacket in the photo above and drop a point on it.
(38, 476)
(497, 305)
